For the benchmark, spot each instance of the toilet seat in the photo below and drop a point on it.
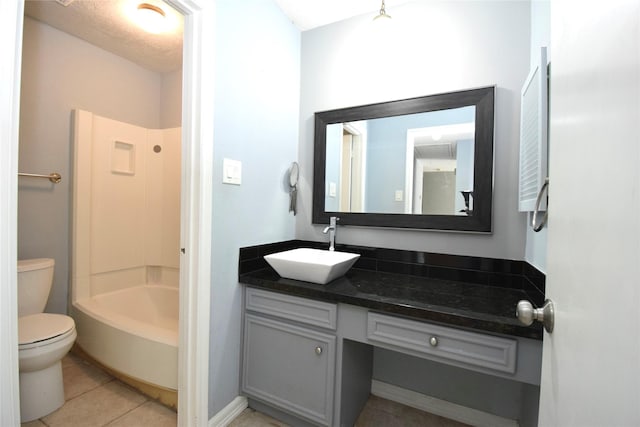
(42, 329)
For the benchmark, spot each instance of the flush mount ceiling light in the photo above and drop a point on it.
(151, 18)
(382, 14)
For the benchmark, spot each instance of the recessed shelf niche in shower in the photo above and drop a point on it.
(123, 158)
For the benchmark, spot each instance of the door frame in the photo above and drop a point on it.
(11, 19)
(196, 208)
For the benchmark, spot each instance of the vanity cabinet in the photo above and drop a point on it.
(289, 354)
(313, 360)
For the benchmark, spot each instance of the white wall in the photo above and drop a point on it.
(60, 73)
(171, 94)
(256, 114)
(433, 47)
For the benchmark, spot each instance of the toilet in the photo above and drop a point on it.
(44, 339)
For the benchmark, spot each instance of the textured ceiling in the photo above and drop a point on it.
(106, 25)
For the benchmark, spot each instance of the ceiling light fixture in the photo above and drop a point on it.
(383, 12)
(151, 18)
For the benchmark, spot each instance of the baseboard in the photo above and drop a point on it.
(440, 407)
(229, 412)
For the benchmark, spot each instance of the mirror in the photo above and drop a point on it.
(417, 163)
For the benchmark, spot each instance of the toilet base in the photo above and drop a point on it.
(41, 392)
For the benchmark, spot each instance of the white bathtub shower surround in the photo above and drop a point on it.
(126, 238)
(134, 331)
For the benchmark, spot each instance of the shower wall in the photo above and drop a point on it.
(60, 73)
(126, 205)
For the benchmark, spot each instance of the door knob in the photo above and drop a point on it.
(526, 314)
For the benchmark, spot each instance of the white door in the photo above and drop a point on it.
(591, 361)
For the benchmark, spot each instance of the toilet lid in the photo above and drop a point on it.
(42, 326)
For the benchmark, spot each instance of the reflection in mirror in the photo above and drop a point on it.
(412, 164)
(439, 167)
(420, 163)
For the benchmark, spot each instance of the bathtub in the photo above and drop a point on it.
(132, 331)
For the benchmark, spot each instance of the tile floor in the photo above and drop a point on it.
(95, 398)
(377, 412)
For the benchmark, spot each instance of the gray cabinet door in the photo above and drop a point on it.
(290, 367)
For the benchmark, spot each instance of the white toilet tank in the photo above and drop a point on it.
(35, 277)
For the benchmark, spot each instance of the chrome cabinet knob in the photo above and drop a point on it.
(318, 350)
(526, 314)
(433, 341)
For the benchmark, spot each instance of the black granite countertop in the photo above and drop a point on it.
(466, 305)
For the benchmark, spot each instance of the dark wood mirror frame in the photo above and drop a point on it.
(479, 221)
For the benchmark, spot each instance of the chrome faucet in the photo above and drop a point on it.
(331, 229)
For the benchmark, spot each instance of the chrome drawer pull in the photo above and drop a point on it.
(318, 350)
(433, 341)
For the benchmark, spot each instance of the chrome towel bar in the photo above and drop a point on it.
(537, 226)
(54, 177)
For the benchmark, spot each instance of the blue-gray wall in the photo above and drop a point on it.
(255, 121)
(434, 47)
(431, 47)
(536, 243)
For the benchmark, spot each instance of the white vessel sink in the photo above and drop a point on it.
(311, 265)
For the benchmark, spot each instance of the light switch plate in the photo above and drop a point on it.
(332, 189)
(399, 195)
(231, 172)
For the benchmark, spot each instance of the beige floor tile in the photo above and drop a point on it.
(379, 412)
(150, 414)
(79, 376)
(251, 418)
(96, 407)
(371, 417)
(385, 405)
(415, 417)
(35, 423)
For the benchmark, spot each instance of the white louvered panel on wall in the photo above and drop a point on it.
(533, 135)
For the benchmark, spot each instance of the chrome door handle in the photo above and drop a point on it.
(526, 314)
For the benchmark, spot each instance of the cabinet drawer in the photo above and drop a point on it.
(290, 367)
(444, 344)
(310, 312)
